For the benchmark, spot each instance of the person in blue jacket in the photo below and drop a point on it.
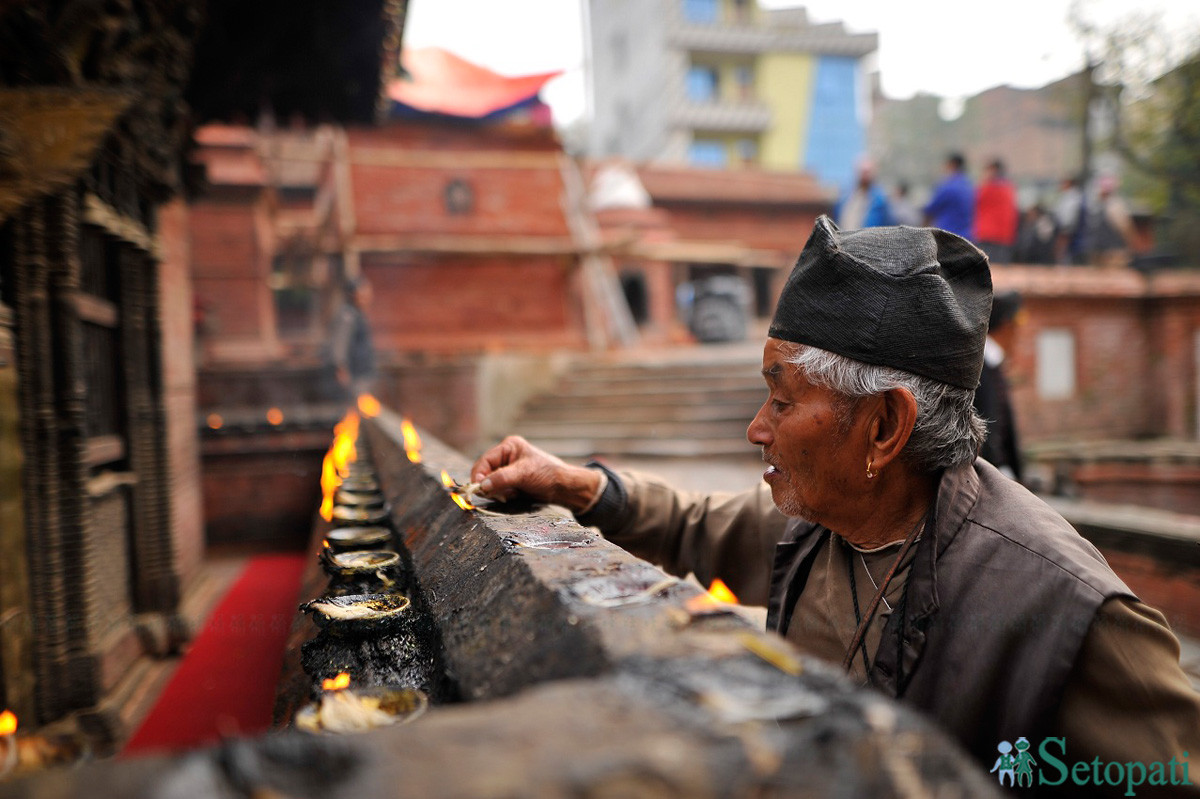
(953, 205)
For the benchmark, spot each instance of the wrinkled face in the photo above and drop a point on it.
(815, 467)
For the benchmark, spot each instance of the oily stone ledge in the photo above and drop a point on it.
(573, 688)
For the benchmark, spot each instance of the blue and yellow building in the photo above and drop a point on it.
(725, 83)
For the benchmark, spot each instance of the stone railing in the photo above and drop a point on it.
(583, 671)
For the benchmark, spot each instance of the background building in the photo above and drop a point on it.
(682, 238)
(1038, 133)
(452, 207)
(723, 83)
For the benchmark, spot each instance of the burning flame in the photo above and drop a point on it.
(275, 416)
(8, 722)
(341, 454)
(412, 441)
(721, 593)
(368, 406)
(215, 421)
(458, 498)
(336, 683)
(715, 599)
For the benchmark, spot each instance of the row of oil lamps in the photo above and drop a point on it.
(357, 551)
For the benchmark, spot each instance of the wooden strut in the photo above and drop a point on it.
(40, 472)
(70, 448)
(606, 313)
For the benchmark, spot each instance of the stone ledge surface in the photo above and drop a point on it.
(577, 693)
(620, 736)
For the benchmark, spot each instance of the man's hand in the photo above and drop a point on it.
(514, 466)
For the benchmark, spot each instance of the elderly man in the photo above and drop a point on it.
(923, 571)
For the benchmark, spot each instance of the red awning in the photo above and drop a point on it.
(443, 83)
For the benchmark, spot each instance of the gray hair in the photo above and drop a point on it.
(947, 432)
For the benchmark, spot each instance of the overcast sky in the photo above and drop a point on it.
(952, 48)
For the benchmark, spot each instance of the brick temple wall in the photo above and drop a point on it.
(230, 251)
(1134, 342)
(399, 175)
(780, 228)
(460, 303)
(491, 267)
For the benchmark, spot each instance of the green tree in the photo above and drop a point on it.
(1148, 76)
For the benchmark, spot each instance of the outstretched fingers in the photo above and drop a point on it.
(497, 457)
(507, 468)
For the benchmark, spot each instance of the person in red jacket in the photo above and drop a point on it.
(996, 216)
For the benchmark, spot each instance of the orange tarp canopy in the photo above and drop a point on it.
(443, 83)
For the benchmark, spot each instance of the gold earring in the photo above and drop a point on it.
(870, 474)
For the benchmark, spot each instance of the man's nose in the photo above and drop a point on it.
(759, 433)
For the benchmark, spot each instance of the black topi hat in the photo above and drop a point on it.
(914, 299)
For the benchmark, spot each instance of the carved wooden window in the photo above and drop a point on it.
(97, 306)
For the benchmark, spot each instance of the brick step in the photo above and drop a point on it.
(651, 372)
(616, 413)
(633, 369)
(662, 447)
(689, 403)
(652, 428)
(647, 398)
(650, 385)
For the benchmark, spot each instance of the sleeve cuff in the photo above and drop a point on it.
(607, 511)
(595, 497)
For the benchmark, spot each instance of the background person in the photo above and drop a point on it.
(1036, 237)
(993, 400)
(1108, 227)
(996, 215)
(904, 211)
(350, 347)
(1069, 214)
(952, 207)
(865, 205)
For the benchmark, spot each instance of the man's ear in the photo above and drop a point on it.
(895, 415)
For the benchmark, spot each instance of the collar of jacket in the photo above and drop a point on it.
(903, 639)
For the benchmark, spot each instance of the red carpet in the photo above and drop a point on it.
(226, 683)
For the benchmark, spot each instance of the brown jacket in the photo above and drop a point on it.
(1013, 625)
